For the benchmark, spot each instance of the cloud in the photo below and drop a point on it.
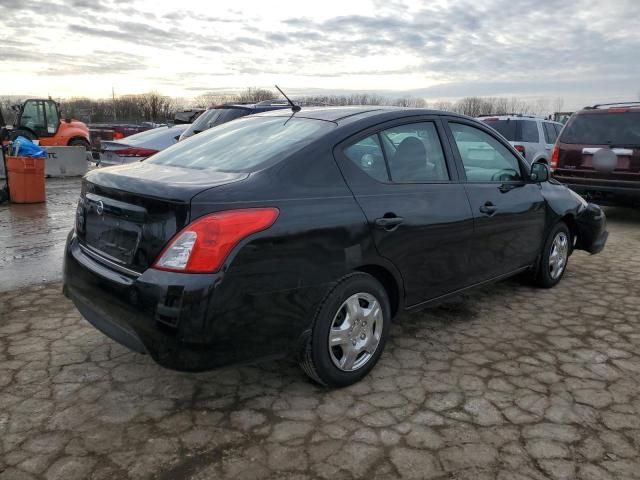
(466, 47)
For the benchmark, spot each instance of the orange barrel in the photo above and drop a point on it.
(26, 179)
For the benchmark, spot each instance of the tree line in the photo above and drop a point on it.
(154, 107)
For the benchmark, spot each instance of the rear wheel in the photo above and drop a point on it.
(554, 258)
(349, 332)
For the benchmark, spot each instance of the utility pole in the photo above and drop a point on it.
(113, 96)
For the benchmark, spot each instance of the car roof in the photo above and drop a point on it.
(344, 115)
(513, 117)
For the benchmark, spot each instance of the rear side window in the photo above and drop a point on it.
(550, 133)
(529, 131)
(414, 153)
(410, 153)
(603, 129)
(516, 130)
(245, 144)
(367, 155)
(506, 128)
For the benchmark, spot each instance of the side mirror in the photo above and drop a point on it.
(539, 172)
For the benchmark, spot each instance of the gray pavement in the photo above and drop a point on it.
(32, 236)
(512, 382)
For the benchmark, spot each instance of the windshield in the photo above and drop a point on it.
(603, 129)
(243, 145)
(213, 117)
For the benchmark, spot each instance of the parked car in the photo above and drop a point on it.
(224, 113)
(532, 137)
(139, 146)
(304, 235)
(598, 153)
(106, 132)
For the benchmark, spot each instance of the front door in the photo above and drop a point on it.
(508, 209)
(418, 213)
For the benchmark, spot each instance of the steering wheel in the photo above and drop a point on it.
(504, 175)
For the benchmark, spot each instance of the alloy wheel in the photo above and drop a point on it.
(355, 332)
(558, 255)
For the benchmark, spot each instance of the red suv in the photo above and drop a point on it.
(598, 153)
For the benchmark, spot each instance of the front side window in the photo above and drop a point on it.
(485, 159)
(414, 153)
(33, 116)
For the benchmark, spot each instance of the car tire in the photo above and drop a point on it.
(355, 316)
(554, 256)
(79, 142)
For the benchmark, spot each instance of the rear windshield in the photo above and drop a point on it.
(603, 129)
(516, 130)
(243, 145)
(213, 117)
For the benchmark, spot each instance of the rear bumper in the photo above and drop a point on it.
(188, 322)
(592, 229)
(602, 191)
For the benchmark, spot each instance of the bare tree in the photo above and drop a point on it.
(253, 94)
(211, 99)
(558, 104)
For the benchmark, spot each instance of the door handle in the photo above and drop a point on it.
(488, 209)
(388, 223)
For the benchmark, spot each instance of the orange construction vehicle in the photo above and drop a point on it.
(39, 119)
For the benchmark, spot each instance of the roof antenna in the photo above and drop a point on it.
(294, 108)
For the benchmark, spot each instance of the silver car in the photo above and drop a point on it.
(533, 137)
(138, 147)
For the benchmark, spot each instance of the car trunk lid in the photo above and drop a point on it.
(127, 214)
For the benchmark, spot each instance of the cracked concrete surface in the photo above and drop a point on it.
(511, 382)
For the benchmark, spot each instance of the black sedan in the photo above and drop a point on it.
(305, 234)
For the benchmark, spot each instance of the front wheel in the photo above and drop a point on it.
(554, 258)
(349, 332)
(80, 142)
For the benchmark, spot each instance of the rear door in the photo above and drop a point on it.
(402, 177)
(588, 132)
(508, 210)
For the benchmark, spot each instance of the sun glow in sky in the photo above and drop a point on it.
(585, 51)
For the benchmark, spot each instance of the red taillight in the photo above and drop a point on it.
(118, 135)
(520, 148)
(555, 158)
(203, 245)
(135, 152)
(618, 110)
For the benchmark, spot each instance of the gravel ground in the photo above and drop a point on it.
(510, 382)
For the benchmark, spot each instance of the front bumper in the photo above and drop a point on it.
(592, 229)
(189, 322)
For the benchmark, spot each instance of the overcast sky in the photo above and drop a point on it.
(582, 50)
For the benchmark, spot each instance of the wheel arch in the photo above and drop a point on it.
(389, 281)
(78, 137)
(571, 223)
